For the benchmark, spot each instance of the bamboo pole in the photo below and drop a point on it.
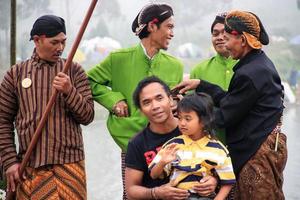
(51, 102)
(13, 31)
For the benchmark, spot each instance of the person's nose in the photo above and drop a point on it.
(155, 105)
(181, 123)
(60, 47)
(221, 36)
(171, 33)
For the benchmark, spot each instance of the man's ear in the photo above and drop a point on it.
(171, 99)
(244, 40)
(152, 27)
(36, 39)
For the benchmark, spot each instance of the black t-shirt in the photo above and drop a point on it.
(141, 151)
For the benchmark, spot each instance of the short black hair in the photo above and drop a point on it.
(143, 83)
(203, 105)
(152, 12)
(220, 18)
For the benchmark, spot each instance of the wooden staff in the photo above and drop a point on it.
(51, 102)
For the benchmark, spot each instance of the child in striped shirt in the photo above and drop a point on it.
(186, 159)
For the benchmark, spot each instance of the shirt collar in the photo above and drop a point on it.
(247, 58)
(38, 62)
(201, 142)
(223, 59)
(145, 52)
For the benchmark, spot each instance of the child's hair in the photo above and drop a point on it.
(202, 104)
(143, 83)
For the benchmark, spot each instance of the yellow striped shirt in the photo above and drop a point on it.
(196, 159)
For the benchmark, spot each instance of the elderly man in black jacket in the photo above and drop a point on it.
(251, 110)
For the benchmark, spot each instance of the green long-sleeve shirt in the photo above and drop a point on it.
(116, 78)
(216, 70)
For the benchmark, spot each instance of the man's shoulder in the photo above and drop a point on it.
(23, 62)
(217, 144)
(257, 67)
(18, 66)
(123, 51)
(203, 63)
(170, 57)
(139, 137)
(200, 67)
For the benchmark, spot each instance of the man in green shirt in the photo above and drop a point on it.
(217, 69)
(114, 79)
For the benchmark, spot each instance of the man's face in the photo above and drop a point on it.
(234, 44)
(162, 35)
(155, 103)
(50, 49)
(217, 39)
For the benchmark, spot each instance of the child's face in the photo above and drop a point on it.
(190, 124)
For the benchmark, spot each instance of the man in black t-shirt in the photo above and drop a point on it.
(149, 143)
(153, 98)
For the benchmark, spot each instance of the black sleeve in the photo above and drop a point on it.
(134, 157)
(213, 90)
(237, 102)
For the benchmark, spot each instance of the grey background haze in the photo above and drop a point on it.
(193, 18)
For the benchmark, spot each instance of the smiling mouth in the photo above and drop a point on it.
(57, 54)
(157, 114)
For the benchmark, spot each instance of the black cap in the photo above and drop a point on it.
(48, 25)
(150, 12)
(220, 18)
